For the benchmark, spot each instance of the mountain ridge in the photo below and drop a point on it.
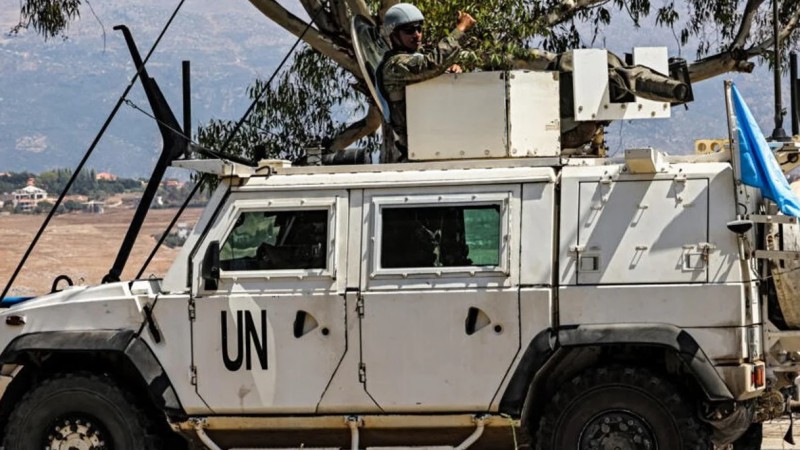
(55, 95)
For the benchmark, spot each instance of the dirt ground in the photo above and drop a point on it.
(773, 435)
(80, 245)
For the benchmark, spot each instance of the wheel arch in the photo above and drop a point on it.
(119, 353)
(556, 355)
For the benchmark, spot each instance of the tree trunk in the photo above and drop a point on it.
(357, 130)
(717, 65)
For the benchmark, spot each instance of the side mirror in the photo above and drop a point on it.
(210, 268)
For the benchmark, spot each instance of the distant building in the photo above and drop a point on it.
(76, 198)
(174, 183)
(105, 176)
(94, 207)
(182, 230)
(27, 198)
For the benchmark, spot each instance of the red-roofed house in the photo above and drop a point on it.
(105, 176)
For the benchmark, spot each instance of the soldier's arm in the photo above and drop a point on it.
(424, 66)
(533, 60)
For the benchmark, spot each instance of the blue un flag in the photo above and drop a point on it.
(760, 169)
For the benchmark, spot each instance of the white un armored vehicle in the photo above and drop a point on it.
(497, 291)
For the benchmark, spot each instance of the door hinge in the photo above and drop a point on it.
(192, 310)
(360, 306)
(193, 375)
(362, 373)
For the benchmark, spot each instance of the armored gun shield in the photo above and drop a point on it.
(370, 48)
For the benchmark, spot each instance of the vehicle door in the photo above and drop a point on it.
(439, 301)
(269, 328)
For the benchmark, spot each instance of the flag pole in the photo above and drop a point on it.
(733, 139)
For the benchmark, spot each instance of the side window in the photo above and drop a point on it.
(277, 240)
(440, 236)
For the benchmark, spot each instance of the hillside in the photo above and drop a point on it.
(55, 95)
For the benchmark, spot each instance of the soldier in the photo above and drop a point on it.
(407, 64)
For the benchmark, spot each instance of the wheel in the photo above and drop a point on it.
(619, 408)
(78, 411)
(751, 439)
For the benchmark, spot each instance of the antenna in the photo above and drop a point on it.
(778, 134)
(187, 103)
(794, 83)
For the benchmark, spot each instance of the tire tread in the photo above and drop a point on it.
(695, 434)
(105, 386)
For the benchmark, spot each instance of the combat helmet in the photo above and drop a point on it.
(399, 15)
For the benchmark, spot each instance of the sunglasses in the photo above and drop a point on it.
(411, 29)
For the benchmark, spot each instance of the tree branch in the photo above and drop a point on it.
(790, 26)
(737, 60)
(358, 7)
(323, 18)
(718, 64)
(568, 8)
(385, 4)
(319, 42)
(750, 12)
(339, 12)
(357, 130)
(767, 46)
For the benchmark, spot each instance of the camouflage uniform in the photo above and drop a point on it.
(400, 68)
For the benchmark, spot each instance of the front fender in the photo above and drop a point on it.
(124, 343)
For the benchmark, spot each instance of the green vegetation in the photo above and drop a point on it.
(54, 182)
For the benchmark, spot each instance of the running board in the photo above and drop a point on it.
(354, 424)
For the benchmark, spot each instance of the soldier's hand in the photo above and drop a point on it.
(455, 68)
(465, 21)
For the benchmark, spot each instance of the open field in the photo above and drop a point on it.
(82, 246)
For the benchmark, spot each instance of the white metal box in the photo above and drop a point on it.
(484, 115)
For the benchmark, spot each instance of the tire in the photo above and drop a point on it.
(751, 439)
(621, 408)
(91, 410)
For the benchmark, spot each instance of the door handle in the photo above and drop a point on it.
(305, 323)
(476, 320)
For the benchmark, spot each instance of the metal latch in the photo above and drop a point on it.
(586, 263)
(193, 375)
(706, 248)
(360, 306)
(576, 248)
(362, 373)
